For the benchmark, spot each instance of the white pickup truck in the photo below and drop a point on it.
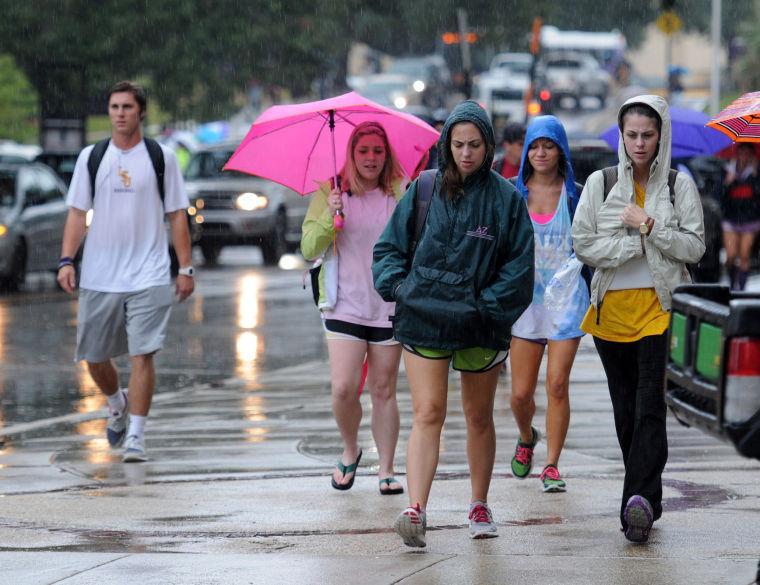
(501, 89)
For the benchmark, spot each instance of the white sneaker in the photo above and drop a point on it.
(116, 428)
(134, 450)
(481, 521)
(411, 525)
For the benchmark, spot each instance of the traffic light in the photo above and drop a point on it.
(453, 38)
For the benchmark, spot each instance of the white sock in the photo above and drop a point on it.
(116, 401)
(136, 425)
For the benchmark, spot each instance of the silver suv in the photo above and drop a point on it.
(228, 208)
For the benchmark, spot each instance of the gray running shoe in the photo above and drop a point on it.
(481, 521)
(639, 517)
(134, 450)
(411, 525)
(116, 428)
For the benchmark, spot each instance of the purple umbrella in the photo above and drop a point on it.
(690, 136)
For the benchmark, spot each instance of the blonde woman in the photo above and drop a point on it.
(355, 318)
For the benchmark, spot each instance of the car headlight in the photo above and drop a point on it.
(419, 86)
(251, 201)
(400, 102)
(3, 230)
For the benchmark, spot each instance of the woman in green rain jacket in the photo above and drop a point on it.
(457, 295)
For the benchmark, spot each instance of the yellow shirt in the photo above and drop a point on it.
(627, 315)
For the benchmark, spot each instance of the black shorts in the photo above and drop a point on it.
(337, 329)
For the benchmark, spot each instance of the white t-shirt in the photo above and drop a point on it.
(126, 248)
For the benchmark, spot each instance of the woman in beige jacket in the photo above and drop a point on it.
(638, 236)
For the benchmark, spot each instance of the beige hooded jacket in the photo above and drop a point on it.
(601, 240)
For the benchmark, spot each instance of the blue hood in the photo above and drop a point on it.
(548, 127)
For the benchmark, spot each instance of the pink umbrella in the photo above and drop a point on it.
(300, 145)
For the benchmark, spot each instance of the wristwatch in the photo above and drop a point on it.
(646, 226)
(187, 271)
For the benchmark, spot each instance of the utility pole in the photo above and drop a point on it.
(464, 47)
(715, 26)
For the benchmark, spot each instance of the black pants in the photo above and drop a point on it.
(635, 375)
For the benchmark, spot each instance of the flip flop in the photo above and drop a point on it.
(344, 469)
(390, 491)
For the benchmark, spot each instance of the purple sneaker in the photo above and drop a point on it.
(639, 517)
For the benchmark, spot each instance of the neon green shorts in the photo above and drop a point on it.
(472, 359)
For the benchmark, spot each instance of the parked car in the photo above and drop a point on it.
(62, 163)
(32, 216)
(575, 75)
(230, 208)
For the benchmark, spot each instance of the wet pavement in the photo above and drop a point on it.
(241, 443)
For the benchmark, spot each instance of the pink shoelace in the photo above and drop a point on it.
(551, 472)
(523, 454)
(480, 514)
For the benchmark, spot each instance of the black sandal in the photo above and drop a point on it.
(390, 491)
(344, 469)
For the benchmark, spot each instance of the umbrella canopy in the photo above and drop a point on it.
(740, 121)
(690, 136)
(293, 144)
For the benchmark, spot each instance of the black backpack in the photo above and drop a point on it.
(154, 152)
(425, 185)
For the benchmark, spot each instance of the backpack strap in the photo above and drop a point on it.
(154, 152)
(672, 176)
(610, 178)
(159, 165)
(425, 185)
(93, 162)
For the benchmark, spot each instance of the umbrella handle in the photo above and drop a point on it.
(332, 141)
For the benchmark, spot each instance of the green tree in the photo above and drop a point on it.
(18, 103)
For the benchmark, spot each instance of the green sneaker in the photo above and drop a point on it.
(552, 480)
(522, 462)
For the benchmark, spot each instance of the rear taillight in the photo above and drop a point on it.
(545, 95)
(744, 357)
(742, 390)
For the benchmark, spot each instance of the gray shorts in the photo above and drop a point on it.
(112, 324)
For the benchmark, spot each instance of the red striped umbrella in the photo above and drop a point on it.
(740, 121)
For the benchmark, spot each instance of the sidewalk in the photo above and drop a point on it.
(237, 491)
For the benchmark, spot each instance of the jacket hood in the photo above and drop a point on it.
(548, 127)
(467, 111)
(658, 173)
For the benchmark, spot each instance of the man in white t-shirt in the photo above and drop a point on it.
(126, 291)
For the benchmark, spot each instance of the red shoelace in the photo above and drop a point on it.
(480, 514)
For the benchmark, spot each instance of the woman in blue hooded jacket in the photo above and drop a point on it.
(457, 294)
(547, 182)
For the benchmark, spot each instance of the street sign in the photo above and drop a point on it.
(669, 22)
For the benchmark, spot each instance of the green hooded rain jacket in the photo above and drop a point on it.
(471, 276)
